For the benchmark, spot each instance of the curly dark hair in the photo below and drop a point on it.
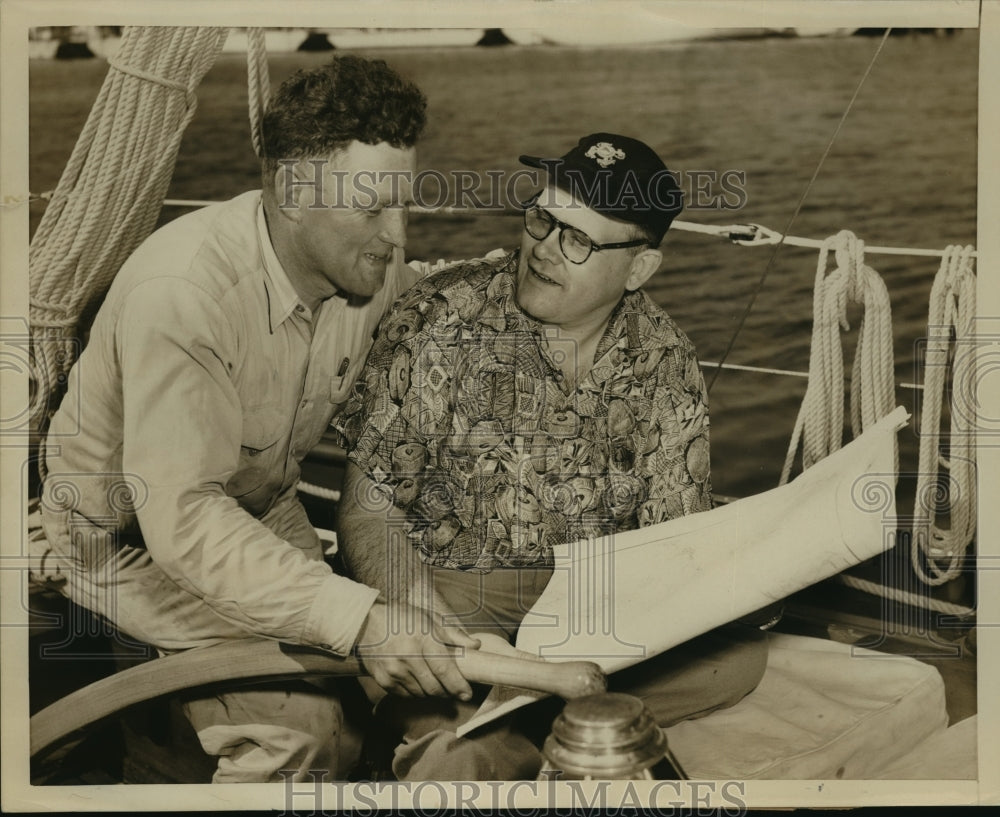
(319, 111)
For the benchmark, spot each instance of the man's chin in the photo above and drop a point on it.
(360, 298)
(371, 285)
(525, 307)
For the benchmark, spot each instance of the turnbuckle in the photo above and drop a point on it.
(753, 235)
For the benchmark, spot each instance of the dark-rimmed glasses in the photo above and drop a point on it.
(575, 244)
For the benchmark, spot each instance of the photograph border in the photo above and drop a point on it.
(17, 16)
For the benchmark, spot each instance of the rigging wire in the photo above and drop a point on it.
(774, 253)
(744, 235)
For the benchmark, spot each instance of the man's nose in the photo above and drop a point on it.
(547, 249)
(394, 220)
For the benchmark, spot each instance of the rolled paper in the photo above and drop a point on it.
(620, 599)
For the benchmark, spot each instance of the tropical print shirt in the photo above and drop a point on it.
(461, 417)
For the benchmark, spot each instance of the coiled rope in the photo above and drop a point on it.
(319, 491)
(258, 87)
(820, 421)
(109, 195)
(905, 597)
(949, 334)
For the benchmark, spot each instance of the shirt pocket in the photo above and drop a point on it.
(260, 451)
(341, 387)
(342, 382)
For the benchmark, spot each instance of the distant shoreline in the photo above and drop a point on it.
(75, 41)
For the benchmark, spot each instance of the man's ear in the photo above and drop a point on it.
(644, 264)
(288, 184)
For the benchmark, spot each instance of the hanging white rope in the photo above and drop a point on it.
(109, 196)
(949, 335)
(258, 86)
(820, 421)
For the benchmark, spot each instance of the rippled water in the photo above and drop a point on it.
(902, 172)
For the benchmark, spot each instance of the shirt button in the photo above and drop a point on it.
(300, 308)
(327, 647)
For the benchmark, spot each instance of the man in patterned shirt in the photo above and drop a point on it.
(522, 401)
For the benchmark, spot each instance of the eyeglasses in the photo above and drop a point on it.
(575, 244)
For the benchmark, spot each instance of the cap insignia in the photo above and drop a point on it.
(605, 153)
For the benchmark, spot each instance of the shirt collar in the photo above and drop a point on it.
(282, 299)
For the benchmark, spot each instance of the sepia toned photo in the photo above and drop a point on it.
(501, 406)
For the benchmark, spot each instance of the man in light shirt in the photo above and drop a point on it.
(226, 344)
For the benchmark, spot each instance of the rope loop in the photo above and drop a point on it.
(820, 421)
(938, 553)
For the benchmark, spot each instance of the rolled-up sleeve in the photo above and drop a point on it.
(182, 434)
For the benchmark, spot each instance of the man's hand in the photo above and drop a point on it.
(408, 654)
